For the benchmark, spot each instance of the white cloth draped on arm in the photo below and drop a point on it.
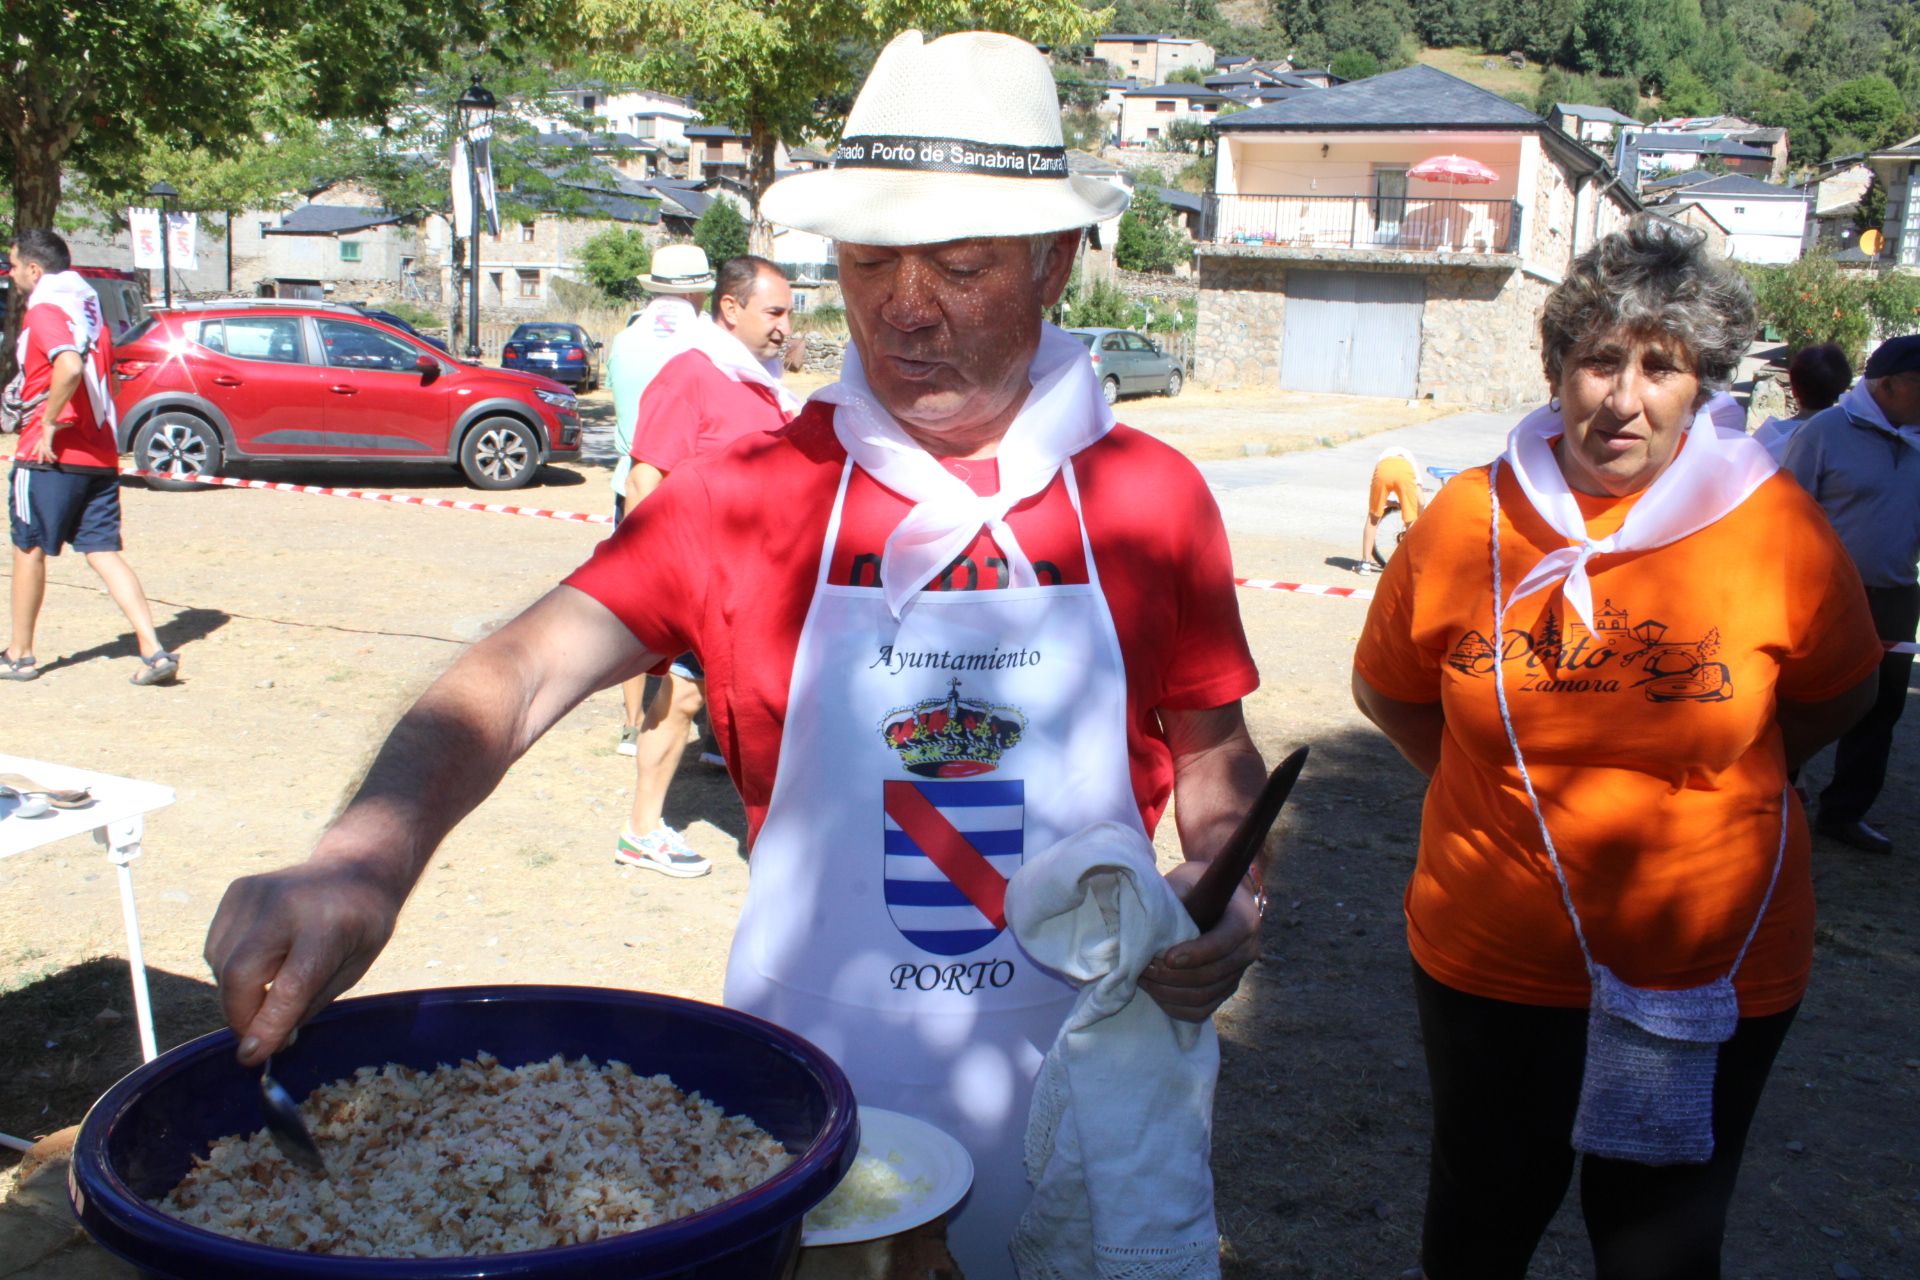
(1120, 1137)
(1064, 412)
(1715, 471)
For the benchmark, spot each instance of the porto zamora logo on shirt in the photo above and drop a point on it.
(953, 838)
(1619, 654)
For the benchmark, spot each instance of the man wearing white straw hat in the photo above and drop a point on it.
(950, 615)
(679, 278)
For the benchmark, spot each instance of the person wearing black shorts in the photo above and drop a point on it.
(64, 488)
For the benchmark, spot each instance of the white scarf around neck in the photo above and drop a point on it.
(69, 291)
(731, 357)
(1860, 404)
(1064, 412)
(1712, 475)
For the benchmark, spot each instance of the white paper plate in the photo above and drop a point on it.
(924, 1153)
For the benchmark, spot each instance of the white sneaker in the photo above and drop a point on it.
(629, 740)
(661, 849)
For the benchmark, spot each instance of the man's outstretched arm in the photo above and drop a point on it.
(285, 943)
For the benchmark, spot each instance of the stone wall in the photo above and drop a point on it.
(1479, 340)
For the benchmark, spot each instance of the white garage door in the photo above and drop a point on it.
(1353, 332)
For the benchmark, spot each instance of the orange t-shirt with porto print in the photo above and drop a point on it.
(1651, 741)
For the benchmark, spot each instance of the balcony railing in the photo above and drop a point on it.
(1364, 222)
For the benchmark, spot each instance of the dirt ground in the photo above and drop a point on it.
(306, 624)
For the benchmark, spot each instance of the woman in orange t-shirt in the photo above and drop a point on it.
(1680, 627)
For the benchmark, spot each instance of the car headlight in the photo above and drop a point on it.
(559, 400)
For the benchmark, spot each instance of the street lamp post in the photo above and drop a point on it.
(476, 112)
(162, 192)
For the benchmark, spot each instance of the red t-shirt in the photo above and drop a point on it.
(82, 441)
(723, 556)
(691, 409)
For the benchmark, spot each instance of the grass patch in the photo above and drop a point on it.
(1501, 78)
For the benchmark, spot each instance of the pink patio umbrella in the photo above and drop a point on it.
(1452, 169)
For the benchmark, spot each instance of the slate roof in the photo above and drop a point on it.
(1739, 184)
(596, 141)
(1184, 201)
(331, 220)
(1674, 181)
(1581, 111)
(1090, 165)
(1694, 143)
(1416, 97)
(1229, 81)
(713, 131)
(1137, 39)
(1174, 91)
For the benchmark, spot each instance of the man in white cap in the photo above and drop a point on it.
(950, 615)
(679, 279)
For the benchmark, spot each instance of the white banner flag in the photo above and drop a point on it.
(184, 232)
(479, 155)
(145, 225)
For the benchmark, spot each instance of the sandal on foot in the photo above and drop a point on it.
(158, 669)
(18, 668)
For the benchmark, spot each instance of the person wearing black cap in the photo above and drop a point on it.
(1861, 462)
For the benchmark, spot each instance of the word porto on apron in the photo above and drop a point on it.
(923, 760)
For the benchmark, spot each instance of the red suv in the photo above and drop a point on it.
(284, 381)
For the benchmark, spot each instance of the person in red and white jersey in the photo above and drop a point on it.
(64, 489)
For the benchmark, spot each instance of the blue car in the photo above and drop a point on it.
(562, 352)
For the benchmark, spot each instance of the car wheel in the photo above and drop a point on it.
(1174, 381)
(1110, 390)
(179, 444)
(499, 453)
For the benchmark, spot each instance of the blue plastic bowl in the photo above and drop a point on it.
(137, 1141)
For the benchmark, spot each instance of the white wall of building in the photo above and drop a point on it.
(1764, 229)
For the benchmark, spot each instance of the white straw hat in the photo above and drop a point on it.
(678, 268)
(947, 140)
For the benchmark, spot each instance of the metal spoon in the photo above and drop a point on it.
(286, 1126)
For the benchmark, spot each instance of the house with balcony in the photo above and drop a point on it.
(1152, 58)
(1329, 261)
(1763, 222)
(1147, 115)
(1897, 170)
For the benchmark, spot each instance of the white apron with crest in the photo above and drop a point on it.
(922, 760)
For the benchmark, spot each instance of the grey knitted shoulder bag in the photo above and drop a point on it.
(1647, 1091)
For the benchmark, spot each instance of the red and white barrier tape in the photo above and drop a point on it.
(1305, 588)
(585, 517)
(373, 495)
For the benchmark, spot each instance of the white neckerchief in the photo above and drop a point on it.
(731, 357)
(1860, 405)
(1063, 414)
(1714, 473)
(69, 291)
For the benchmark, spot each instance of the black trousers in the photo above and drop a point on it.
(1506, 1084)
(1860, 757)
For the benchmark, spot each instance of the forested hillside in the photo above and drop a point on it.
(1842, 74)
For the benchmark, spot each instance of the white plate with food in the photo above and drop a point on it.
(907, 1173)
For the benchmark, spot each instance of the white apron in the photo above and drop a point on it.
(921, 761)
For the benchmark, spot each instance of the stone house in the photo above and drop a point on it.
(1151, 59)
(1897, 169)
(338, 244)
(1147, 115)
(1701, 219)
(1764, 222)
(1644, 154)
(1325, 266)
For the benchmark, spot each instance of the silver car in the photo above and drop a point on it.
(1128, 363)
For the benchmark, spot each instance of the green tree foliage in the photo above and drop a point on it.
(1813, 301)
(1611, 37)
(1894, 303)
(1444, 23)
(1537, 28)
(1097, 305)
(722, 232)
(1868, 110)
(1188, 75)
(91, 86)
(1684, 93)
(613, 260)
(1148, 240)
(1354, 64)
(1871, 213)
(785, 71)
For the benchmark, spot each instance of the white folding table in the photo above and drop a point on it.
(117, 819)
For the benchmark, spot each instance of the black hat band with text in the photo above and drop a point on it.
(950, 155)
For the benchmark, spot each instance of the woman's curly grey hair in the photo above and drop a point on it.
(1654, 276)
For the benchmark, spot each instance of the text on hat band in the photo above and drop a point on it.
(949, 155)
